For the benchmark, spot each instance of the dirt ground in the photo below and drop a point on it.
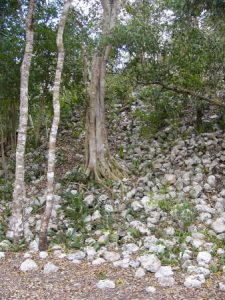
(78, 282)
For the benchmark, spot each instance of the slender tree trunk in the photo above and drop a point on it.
(99, 162)
(19, 188)
(43, 245)
(41, 117)
(4, 165)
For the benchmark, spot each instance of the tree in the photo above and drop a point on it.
(99, 162)
(19, 193)
(54, 129)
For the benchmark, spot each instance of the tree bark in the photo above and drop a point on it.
(19, 192)
(4, 164)
(99, 162)
(43, 245)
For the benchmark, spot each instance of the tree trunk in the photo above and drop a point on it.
(43, 245)
(19, 187)
(4, 165)
(99, 162)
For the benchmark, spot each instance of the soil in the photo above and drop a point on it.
(78, 282)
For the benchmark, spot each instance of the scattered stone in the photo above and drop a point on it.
(170, 178)
(136, 206)
(98, 261)
(140, 272)
(219, 225)
(89, 200)
(194, 281)
(28, 265)
(199, 270)
(5, 245)
(2, 255)
(111, 256)
(222, 286)
(211, 180)
(166, 281)
(204, 258)
(96, 215)
(105, 284)
(131, 248)
(164, 271)
(150, 262)
(43, 254)
(150, 289)
(50, 268)
(170, 231)
(33, 246)
(79, 255)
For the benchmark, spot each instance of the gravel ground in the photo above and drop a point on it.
(78, 282)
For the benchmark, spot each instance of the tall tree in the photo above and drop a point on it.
(99, 161)
(43, 245)
(19, 193)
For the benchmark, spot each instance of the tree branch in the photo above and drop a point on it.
(181, 90)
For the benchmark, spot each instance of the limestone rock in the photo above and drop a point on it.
(50, 268)
(150, 262)
(28, 265)
(105, 284)
(219, 225)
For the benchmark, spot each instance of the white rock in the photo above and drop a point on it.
(106, 284)
(103, 239)
(76, 261)
(166, 281)
(145, 201)
(140, 272)
(131, 248)
(170, 231)
(108, 208)
(150, 289)
(98, 261)
(73, 192)
(195, 191)
(159, 249)
(28, 265)
(96, 215)
(59, 254)
(123, 263)
(90, 251)
(43, 254)
(170, 178)
(50, 268)
(211, 180)
(222, 286)
(79, 255)
(111, 256)
(164, 271)
(5, 245)
(194, 281)
(89, 200)
(134, 264)
(220, 251)
(2, 255)
(136, 206)
(198, 270)
(33, 246)
(204, 258)
(131, 194)
(27, 255)
(102, 198)
(150, 262)
(219, 225)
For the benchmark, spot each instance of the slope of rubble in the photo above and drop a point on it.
(166, 218)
